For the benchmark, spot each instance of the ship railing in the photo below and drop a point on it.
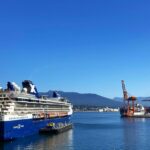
(28, 97)
(37, 110)
(41, 102)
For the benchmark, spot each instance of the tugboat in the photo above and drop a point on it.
(24, 112)
(131, 108)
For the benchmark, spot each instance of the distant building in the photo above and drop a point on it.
(107, 109)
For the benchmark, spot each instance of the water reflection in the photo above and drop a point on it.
(61, 141)
(135, 133)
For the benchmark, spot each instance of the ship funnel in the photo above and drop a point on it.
(30, 87)
(16, 87)
(12, 86)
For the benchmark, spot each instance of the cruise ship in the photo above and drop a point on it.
(24, 111)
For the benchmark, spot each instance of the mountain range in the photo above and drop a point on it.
(87, 99)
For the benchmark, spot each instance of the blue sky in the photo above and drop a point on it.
(85, 46)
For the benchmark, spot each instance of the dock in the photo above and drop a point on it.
(57, 129)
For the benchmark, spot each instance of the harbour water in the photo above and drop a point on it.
(91, 131)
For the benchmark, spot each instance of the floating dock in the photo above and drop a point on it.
(56, 130)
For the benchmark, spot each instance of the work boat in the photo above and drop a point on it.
(24, 112)
(131, 108)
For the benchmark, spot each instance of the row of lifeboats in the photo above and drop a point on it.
(49, 115)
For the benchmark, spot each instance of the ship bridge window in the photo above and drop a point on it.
(17, 99)
(29, 100)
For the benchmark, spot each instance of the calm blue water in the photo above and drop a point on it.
(92, 131)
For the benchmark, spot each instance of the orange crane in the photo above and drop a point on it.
(130, 109)
(125, 93)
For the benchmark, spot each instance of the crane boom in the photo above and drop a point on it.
(125, 93)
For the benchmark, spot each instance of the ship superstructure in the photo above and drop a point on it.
(25, 112)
